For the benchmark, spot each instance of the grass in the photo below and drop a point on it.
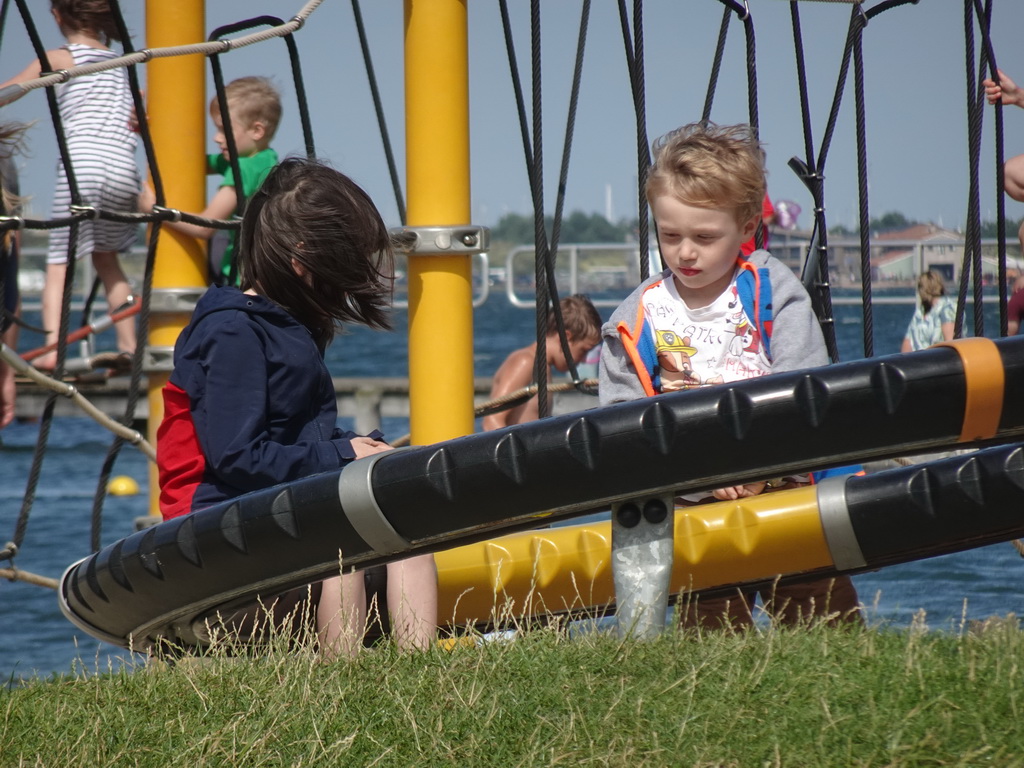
(772, 697)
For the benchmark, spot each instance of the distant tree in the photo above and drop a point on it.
(890, 221)
(841, 230)
(887, 222)
(513, 228)
(991, 229)
(577, 227)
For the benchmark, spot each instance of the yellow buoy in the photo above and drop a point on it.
(122, 485)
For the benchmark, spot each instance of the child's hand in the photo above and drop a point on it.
(738, 491)
(367, 446)
(1006, 91)
(147, 197)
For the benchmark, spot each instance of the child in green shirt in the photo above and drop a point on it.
(254, 106)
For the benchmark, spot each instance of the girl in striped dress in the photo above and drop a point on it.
(97, 115)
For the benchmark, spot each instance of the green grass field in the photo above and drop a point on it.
(772, 697)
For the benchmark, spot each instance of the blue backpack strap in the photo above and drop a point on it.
(849, 469)
(755, 294)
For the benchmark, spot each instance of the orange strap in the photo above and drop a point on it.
(985, 378)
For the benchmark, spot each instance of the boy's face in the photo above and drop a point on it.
(700, 246)
(247, 137)
(578, 348)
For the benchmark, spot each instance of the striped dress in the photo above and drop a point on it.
(96, 111)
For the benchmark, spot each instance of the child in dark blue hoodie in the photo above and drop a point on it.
(251, 404)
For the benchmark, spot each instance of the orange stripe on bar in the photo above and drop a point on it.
(986, 386)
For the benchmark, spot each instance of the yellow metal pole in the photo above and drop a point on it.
(176, 96)
(437, 170)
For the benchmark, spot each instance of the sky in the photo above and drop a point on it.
(915, 76)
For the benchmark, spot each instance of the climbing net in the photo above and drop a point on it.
(810, 168)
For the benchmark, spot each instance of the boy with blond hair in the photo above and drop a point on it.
(254, 109)
(582, 331)
(715, 316)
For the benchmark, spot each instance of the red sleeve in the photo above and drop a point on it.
(179, 459)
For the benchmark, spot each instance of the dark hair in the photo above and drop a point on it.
(580, 316)
(93, 16)
(323, 220)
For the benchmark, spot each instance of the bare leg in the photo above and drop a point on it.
(1020, 236)
(412, 600)
(341, 615)
(53, 298)
(108, 268)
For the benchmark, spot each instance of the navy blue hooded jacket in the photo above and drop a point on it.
(250, 404)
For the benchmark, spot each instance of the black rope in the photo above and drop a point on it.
(556, 226)
(716, 64)
(378, 106)
(972, 236)
(135, 381)
(755, 122)
(990, 60)
(541, 253)
(39, 453)
(633, 46)
(862, 195)
(547, 298)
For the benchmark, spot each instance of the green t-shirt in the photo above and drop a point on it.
(254, 170)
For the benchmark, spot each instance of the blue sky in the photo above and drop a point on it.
(914, 70)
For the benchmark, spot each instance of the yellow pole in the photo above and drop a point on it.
(176, 96)
(437, 170)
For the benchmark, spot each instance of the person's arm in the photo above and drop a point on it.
(512, 375)
(221, 206)
(948, 318)
(233, 430)
(905, 346)
(59, 58)
(1006, 91)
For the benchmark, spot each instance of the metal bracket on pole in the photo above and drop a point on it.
(442, 241)
(174, 300)
(642, 555)
(157, 359)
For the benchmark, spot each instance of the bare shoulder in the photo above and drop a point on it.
(516, 372)
(60, 58)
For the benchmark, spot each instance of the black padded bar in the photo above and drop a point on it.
(944, 506)
(156, 583)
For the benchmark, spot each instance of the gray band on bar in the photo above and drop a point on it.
(355, 492)
(835, 522)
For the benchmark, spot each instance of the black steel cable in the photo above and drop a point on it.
(716, 65)
(543, 292)
(378, 107)
(990, 59)
(556, 224)
(862, 195)
(633, 46)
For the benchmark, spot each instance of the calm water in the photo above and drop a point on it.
(35, 639)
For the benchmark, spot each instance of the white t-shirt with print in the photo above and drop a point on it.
(706, 346)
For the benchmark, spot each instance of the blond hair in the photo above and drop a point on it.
(252, 99)
(929, 287)
(710, 166)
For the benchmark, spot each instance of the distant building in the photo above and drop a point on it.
(904, 254)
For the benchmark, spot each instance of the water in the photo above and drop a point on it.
(35, 639)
